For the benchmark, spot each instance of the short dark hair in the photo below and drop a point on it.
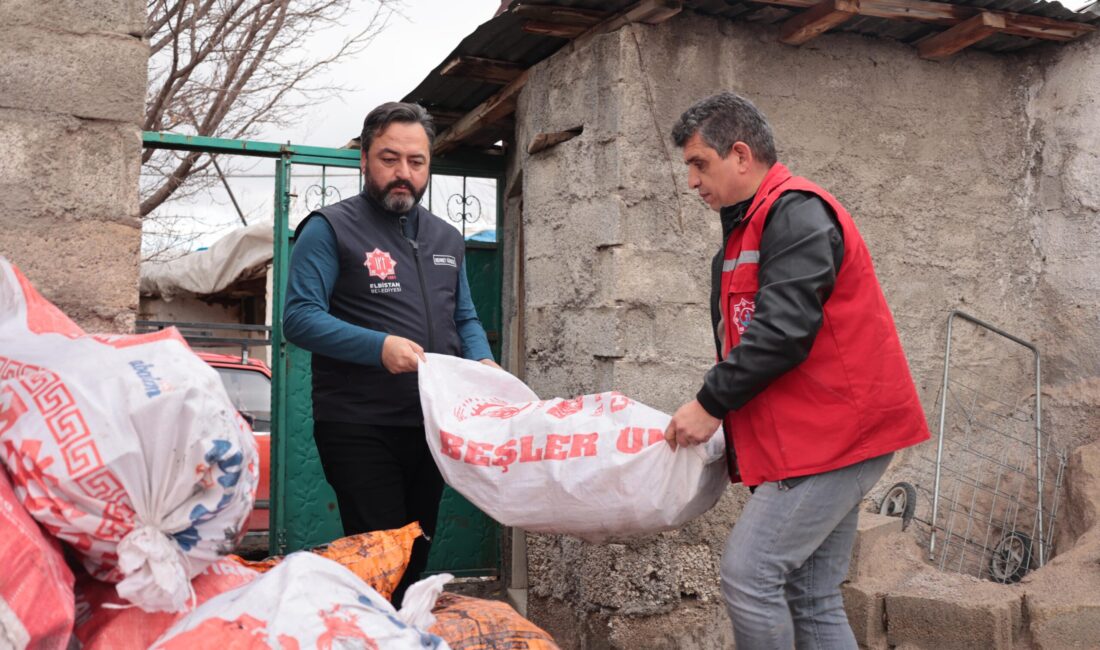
(724, 119)
(390, 112)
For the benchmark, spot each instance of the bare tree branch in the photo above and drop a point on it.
(228, 68)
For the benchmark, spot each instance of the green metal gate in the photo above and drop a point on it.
(303, 506)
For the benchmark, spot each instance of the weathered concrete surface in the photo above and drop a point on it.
(96, 76)
(76, 16)
(882, 557)
(1062, 599)
(690, 627)
(872, 528)
(64, 167)
(953, 612)
(900, 600)
(72, 87)
(866, 607)
(972, 181)
(616, 247)
(1064, 110)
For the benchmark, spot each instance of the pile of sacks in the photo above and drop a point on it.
(336, 596)
(126, 480)
(126, 449)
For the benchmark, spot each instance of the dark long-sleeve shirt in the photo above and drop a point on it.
(800, 254)
(307, 320)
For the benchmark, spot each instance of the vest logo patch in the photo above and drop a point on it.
(742, 314)
(444, 260)
(380, 265)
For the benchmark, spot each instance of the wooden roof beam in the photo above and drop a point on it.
(480, 69)
(949, 15)
(443, 116)
(657, 12)
(499, 105)
(819, 19)
(961, 36)
(560, 15)
(651, 12)
(559, 30)
(503, 103)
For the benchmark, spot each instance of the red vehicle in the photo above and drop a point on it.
(248, 382)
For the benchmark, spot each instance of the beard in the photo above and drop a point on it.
(398, 203)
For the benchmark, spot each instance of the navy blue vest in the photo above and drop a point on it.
(393, 285)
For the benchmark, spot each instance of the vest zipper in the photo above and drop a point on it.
(423, 287)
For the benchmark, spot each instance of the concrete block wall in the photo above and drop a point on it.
(932, 159)
(614, 298)
(72, 90)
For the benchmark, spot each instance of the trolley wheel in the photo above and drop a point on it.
(1011, 558)
(900, 501)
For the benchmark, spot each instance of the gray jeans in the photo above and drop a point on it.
(787, 555)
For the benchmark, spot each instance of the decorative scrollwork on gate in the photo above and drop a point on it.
(318, 196)
(463, 208)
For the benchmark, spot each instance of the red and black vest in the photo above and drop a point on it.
(852, 398)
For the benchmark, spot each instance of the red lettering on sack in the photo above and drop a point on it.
(526, 454)
(619, 401)
(584, 444)
(451, 444)
(633, 439)
(505, 455)
(556, 447)
(599, 405)
(498, 410)
(630, 440)
(475, 453)
(655, 436)
(566, 407)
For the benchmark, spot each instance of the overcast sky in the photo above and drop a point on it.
(397, 60)
(412, 45)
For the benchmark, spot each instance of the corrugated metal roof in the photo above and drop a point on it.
(503, 38)
(899, 30)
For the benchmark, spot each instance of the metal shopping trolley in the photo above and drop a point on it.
(998, 477)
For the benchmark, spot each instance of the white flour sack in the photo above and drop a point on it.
(125, 447)
(595, 466)
(308, 601)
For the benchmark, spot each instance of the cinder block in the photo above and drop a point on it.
(88, 269)
(76, 16)
(658, 276)
(866, 610)
(577, 334)
(96, 76)
(938, 611)
(57, 166)
(581, 170)
(564, 279)
(871, 529)
(1055, 624)
(663, 385)
(677, 331)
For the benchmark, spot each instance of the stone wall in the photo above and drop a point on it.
(945, 169)
(72, 88)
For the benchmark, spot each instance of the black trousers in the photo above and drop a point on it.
(384, 477)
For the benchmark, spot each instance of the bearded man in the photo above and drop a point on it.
(376, 281)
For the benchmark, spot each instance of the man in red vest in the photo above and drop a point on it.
(811, 385)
